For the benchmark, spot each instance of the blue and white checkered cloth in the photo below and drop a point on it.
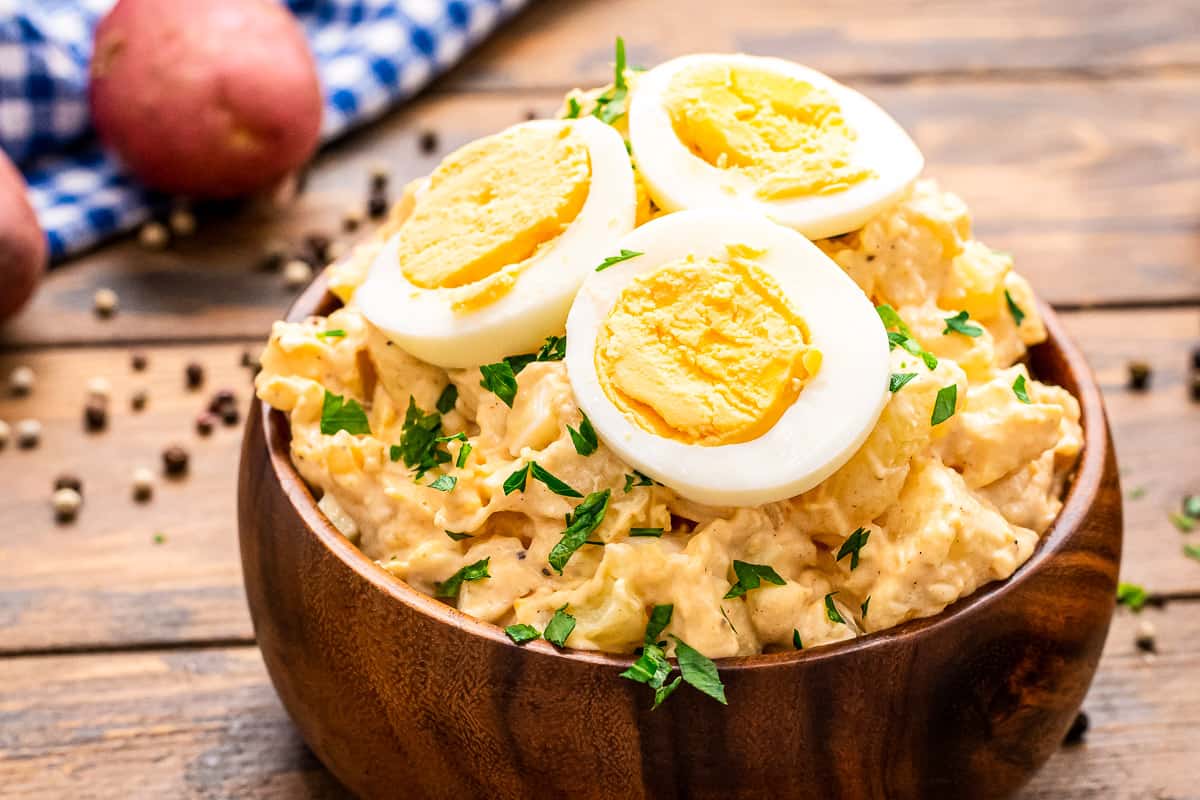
(370, 54)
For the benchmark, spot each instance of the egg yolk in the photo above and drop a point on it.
(489, 207)
(786, 136)
(705, 351)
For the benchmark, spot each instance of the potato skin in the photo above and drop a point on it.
(211, 99)
(22, 244)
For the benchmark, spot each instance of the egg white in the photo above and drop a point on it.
(422, 321)
(676, 178)
(827, 423)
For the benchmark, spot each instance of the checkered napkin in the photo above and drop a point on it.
(370, 54)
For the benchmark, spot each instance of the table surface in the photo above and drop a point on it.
(127, 659)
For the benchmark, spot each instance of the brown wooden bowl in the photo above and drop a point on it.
(403, 696)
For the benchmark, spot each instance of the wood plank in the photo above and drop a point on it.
(1096, 207)
(553, 44)
(207, 723)
(102, 582)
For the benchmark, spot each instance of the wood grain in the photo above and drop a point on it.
(206, 723)
(568, 42)
(1097, 207)
(101, 582)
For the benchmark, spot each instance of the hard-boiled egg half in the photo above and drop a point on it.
(768, 134)
(727, 357)
(501, 235)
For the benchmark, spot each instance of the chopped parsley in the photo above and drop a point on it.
(419, 438)
(1137, 493)
(458, 536)
(652, 667)
(1020, 391)
(1192, 551)
(610, 106)
(1191, 506)
(851, 547)
(516, 481)
(1183, 523)
(586, 517)
(865, 605)
(501, 380)
(444, 483)
(560, 627)
(573, 108)
(653, 532)
(160, 538)
(796, 643)
(902, 336)
(394, 452)
(472, 572)
(1131, 595)
(343, 414)
(522, 633)
(831, 610)
(959, 324)
(944, 404)
(553, 349)
(636, 479)
(1017, 314)
(899, 380)
(336, 333)
(750, 576)
(624, 255)
(699, 670)
(584, 439)
(447, 399)
(464, 449)
(552, 483)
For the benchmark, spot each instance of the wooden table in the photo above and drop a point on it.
(128, 667)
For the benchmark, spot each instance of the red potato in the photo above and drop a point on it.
(22, 244)
(212, 99)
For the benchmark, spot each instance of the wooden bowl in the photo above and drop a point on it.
(403, 696)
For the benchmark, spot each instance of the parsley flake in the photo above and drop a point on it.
(610, 106)
(699, 670)
(625, 255)
(1183, 523)
(501, 380)
(444, 483)
(831, 610)
(959, 324)
(1192, 551)
(573, 108)
(447, 399)
(1017, 314)
(796, 643)
(636, 479)
(516, 481)
(652, 669)
(458, 536)
(553, 349)
(750, 576)
(652, 532)
(1020, 391)
(552, 483)
(944, 404)
(891, 319)
(899, 380)
(584, 439)
(472, 572)
(851, 547)
(560, 628)
(336, 333)
(464, 449)
(343, 414)
(522, 633)
(1132, 595)
(586, 517)
(419, 440)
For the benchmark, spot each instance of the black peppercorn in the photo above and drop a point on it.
(138, 361)
(95, 415)
(377, 204)
(205, 423)
(318, 247)
(1139, 376)
(175, 461)
(230, 415)
(1078, 729)
(220, 400)
(194, 374)
(137, 400)
(428, 142)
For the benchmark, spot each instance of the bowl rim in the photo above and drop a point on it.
(1081, 494)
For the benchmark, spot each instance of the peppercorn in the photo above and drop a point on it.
(351, 220)
(379, 178)
(175, 461)
(1139, 376)
(182, 222)
(95, 416)
(221, 399)
(66, 504)
(143, 484)
(205, 423)
(428, 142)
(105, 302)
(138, 361)
(377, 204)
(153, 236)
(1145, 639)
(29, 433)
(20, 380)
(194, 375)
(230, 415)
(1077, 730)
(274, 257)
(137, 400)
(318, 247)
(69, 481)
